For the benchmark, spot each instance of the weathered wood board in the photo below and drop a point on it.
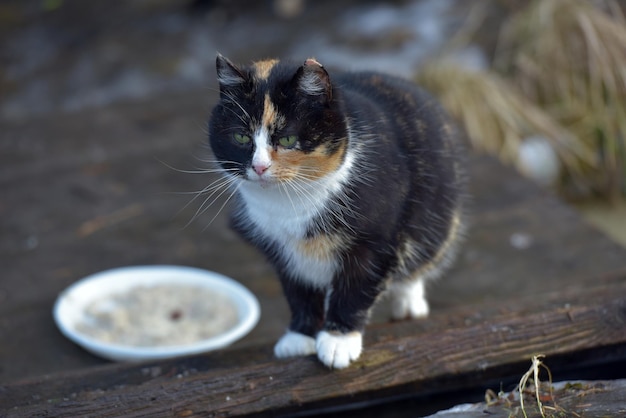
(445, 353)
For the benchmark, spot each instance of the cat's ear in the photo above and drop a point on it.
(228, 75)
(313, 80)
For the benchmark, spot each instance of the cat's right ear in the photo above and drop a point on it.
(228, 75)
(313, 80)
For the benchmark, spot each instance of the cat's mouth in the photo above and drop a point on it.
(263, 181)
(267, 183)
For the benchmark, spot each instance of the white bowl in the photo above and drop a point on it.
(70, 308)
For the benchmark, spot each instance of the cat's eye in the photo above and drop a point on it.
(288, 141)
(241, 139)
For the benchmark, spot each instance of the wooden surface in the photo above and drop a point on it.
(400, 359)
(82, 193)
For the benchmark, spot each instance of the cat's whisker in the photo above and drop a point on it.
(219, 186)
(342, 200)
(217, 163)
(301, 191)
(298, 192)
(283, 189)
(239, 116)
(208, 170)
(223, 204)
(305, 195)
(215, 185)
(204, 170)
(233, 100)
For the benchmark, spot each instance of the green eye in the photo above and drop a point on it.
(241, 139)
(288, 141)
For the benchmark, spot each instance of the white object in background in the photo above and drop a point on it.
(538, 160)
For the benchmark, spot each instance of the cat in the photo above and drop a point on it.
(351, 186)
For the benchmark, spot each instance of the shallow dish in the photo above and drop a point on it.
(72, 305)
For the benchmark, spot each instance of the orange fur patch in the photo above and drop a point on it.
(310, 166)
(321, 246)
(270, 115)
(262, 69)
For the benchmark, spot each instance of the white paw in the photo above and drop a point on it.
(409, 308)
(338, 350)
(294, 344)
(418, 308)
(408, 301)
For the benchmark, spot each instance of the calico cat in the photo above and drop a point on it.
(349, 185)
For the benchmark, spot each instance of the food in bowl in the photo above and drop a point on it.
(160, 315)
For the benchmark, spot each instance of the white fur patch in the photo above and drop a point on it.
(228, 77)
(338, 350)
(261, 156)
(283, 215)
(408, 300)
(294, 344)
(312, 84)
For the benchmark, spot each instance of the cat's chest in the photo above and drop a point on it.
(279, 215)
(284, 220)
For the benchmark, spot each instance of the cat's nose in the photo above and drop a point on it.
(261, 168)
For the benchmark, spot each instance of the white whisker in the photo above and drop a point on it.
(220, 189)
(222, 207)
(232, 99)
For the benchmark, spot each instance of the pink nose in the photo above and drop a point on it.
(260, 168)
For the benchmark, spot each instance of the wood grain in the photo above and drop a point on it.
(399, 359)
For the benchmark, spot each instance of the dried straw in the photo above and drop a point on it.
(560, 73)
(497, 118)
(533, 373)
(569, 56)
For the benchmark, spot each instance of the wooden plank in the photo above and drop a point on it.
(400, 358)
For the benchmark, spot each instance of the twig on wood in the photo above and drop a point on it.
(93, 225)
(534, 372)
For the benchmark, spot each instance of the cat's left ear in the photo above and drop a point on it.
(313, 80)
(228, 75)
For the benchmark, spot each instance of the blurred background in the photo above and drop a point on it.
(539, 84)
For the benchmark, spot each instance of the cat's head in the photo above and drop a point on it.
(277, 122)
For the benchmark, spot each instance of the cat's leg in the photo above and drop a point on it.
(408, 299)
(307, 316)
(408, 294)
(349, 303)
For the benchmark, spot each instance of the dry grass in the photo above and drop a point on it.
(533, 375)
(559, 72)
(497, 118)
(533, 397)
(569, 56)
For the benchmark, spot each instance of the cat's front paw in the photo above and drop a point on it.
(294, 344)
(337, 350)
